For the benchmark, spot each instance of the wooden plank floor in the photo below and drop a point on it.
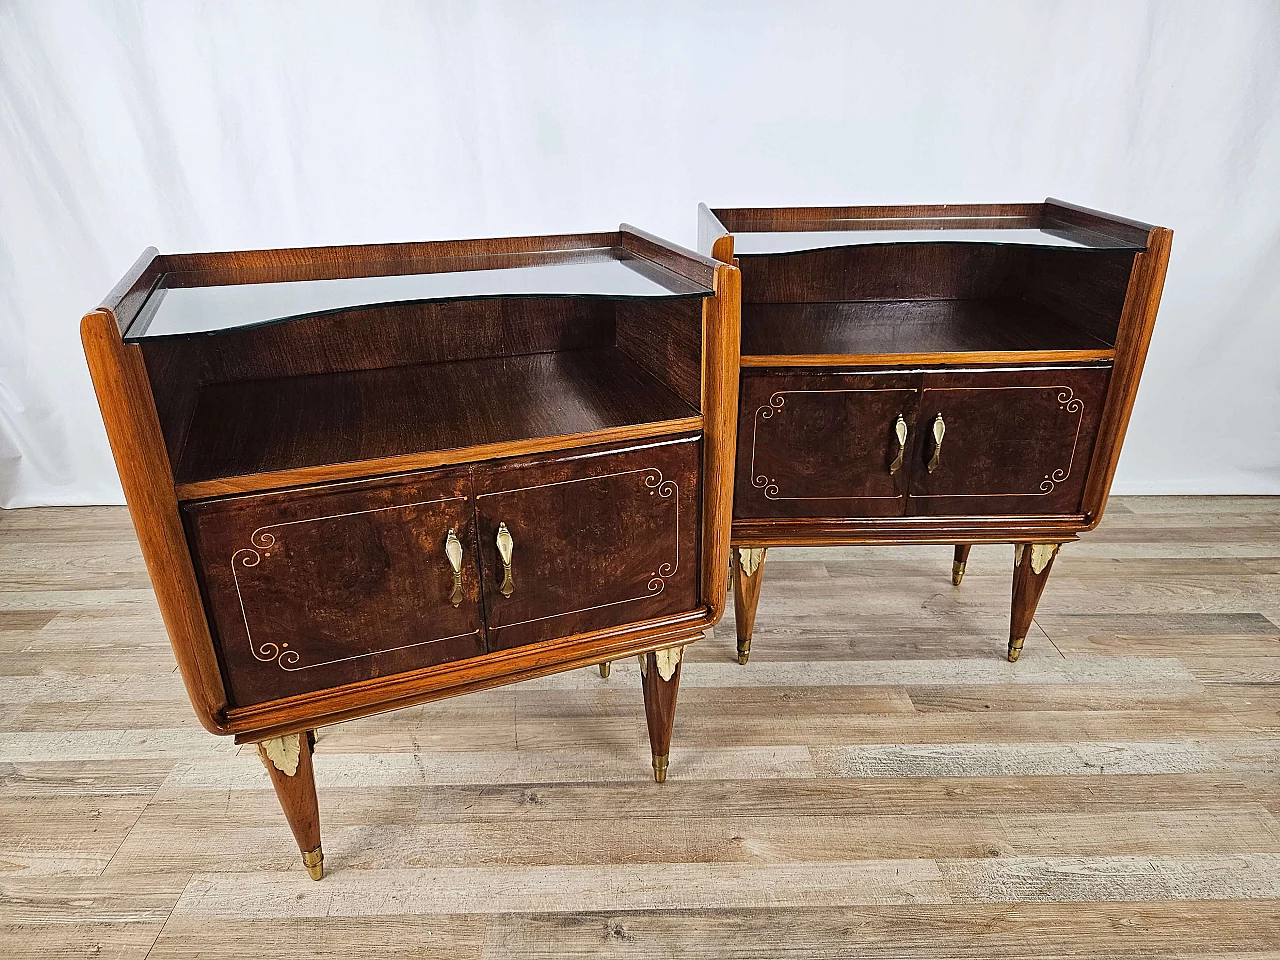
(877, 782)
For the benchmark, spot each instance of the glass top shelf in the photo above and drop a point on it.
(767, 242)
(202, 302)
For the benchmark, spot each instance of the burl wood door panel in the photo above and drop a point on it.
(1013, 441)
(824, 445)
(320, 586)
(599, 539)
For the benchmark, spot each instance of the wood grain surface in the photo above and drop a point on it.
(876, 781)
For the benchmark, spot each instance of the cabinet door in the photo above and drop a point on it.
(1013, 441)
(824, 445)
(598, 539)
(320, 586)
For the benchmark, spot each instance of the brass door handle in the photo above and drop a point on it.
(939, 430)
(505, 547)
(453, 551)
(900, 434)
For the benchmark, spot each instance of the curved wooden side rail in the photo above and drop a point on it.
(137, 444)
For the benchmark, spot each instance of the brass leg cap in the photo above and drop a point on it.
(744, 651)
(604, 669)
(1015, 649)
(313, 860)
(660, 768)
(957, 572)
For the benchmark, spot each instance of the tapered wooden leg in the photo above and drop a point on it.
(748, 571)
(660, 679)
(957, 565)
(288, 761)
(604, 669)
(1031, 565)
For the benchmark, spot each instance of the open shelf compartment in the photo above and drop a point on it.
(279, 368)
(392, 418)
(892, 331)
(943, 285)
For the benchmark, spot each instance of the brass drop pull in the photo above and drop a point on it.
(939, 430)
(453, 551)
(900, 434)
(505, 547)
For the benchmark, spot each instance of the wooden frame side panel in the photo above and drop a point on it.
(138, 446)
(714, 239)
(127, 297)
(678, 260)
(720, 358)
(382, 257)
(1142, 301)
(1095, 221)
(756, 219)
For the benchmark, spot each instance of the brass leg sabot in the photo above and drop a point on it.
(604, 669)
(744, 651)
(957, 572)
(1015, 649)
(660, 768)
(313, 860)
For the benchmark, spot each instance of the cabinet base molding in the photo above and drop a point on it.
(293, 715)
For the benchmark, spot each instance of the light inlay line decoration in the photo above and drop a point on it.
(769, 485)
(1068, 401)
(262, 541)
(653, 480)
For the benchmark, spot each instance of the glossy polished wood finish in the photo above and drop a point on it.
(721, 330)
(660, 681)
(600, 539)
(296, 792)
(137, 444)
(1137, 323)
(1031, 565)
(748, 575)
(324, 586)
(356, 569)
(246, 428)
(1029, 444)
(1015, 441)
(823, 445)
(906, 328)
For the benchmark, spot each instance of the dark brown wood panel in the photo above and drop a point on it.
(1061, 213)
(1085, 288)
(665, 338)
(399, 335)
(908, 326)
(822, 445)
(908, 271)
(259, 426)
(322, 586)
(757, 219)
(175, 374)
(1014, 441)
(600, 539)
(679, 260)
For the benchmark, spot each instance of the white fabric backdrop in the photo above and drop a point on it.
(202, 126)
